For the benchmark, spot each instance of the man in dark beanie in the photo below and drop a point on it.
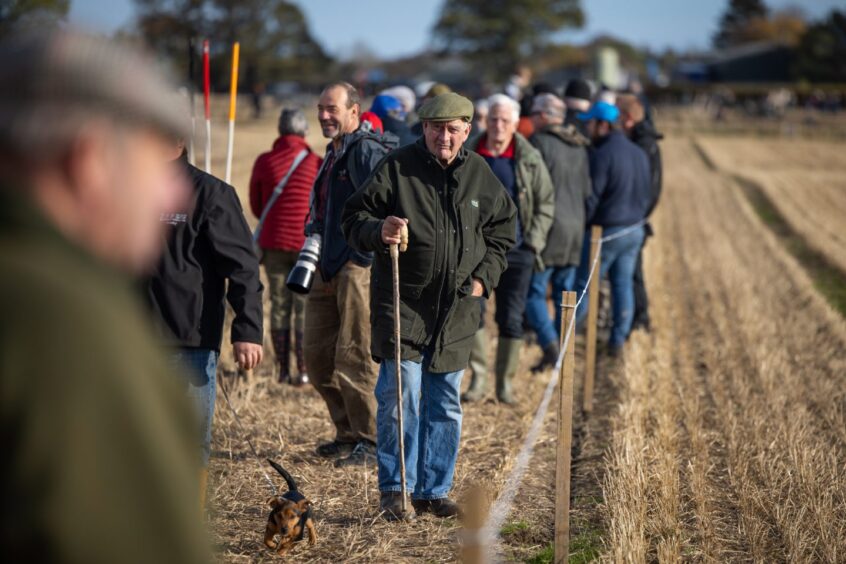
(577, 96)
(460, 223)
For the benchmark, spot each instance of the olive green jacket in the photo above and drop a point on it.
(101, 449)
(535, 194)
(461, 223)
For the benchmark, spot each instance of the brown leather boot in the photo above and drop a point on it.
(282, 345)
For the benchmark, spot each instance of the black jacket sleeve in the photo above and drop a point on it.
(234, 259)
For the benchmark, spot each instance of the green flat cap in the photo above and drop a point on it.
(446, 107)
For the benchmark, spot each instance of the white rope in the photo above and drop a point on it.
(500, 509)
(502, 506)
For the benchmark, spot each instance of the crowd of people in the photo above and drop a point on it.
(497, 196)
(103, 213)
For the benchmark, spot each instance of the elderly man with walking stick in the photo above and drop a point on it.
(460, 224)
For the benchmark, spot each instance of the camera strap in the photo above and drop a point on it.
(278, 192)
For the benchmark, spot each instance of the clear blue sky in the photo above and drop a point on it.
(393, 28)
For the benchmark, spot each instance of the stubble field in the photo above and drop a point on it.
(721, 435)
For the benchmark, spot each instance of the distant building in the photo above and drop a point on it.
(761, 62)
(754, 62)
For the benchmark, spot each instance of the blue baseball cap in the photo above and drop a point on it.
(602, 111)
(384, 105)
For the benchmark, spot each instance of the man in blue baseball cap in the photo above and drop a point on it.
(390, 110)
(619, 201)
(600, 112)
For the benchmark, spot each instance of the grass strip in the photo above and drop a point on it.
(828, 278)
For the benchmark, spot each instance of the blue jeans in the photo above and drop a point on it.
(432, 429)
(537, 312)
(619, 258)
(199, 367)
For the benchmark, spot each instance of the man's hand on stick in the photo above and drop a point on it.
(393, 229)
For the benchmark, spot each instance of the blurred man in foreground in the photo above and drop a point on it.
(99, 460)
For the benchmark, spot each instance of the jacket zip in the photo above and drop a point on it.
(439, 317)
(448, 221)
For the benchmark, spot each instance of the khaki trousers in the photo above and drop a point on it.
(337, 351)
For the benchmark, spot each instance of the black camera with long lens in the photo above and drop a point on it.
(302, 275)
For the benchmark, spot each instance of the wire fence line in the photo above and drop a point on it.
(501, 508)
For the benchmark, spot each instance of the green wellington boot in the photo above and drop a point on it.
(479, 366)
(507, 358)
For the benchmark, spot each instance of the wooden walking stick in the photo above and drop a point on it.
(395, 251)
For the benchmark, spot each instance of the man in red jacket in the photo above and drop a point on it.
(282, 232)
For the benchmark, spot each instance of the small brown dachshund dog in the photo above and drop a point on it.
(290, 517)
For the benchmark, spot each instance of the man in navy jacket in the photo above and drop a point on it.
(619, 172)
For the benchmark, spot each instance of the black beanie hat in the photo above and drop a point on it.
(577, 88)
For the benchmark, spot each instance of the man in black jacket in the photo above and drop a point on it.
(640, 130)
(208, 244)
(564, 150)
(337, 319)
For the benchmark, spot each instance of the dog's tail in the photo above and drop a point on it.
(292, 485)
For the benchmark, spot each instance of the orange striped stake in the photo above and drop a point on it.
(233, 98)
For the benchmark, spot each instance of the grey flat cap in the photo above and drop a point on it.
(45, 75)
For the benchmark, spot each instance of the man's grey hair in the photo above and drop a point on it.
(550, 105)
(54, 83)
(506, 102)
(292, 121)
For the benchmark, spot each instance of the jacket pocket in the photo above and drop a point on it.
(464, 320)
(412, 327)
(473, 248)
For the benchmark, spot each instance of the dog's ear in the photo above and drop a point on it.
(304, 504)
(273, 502)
